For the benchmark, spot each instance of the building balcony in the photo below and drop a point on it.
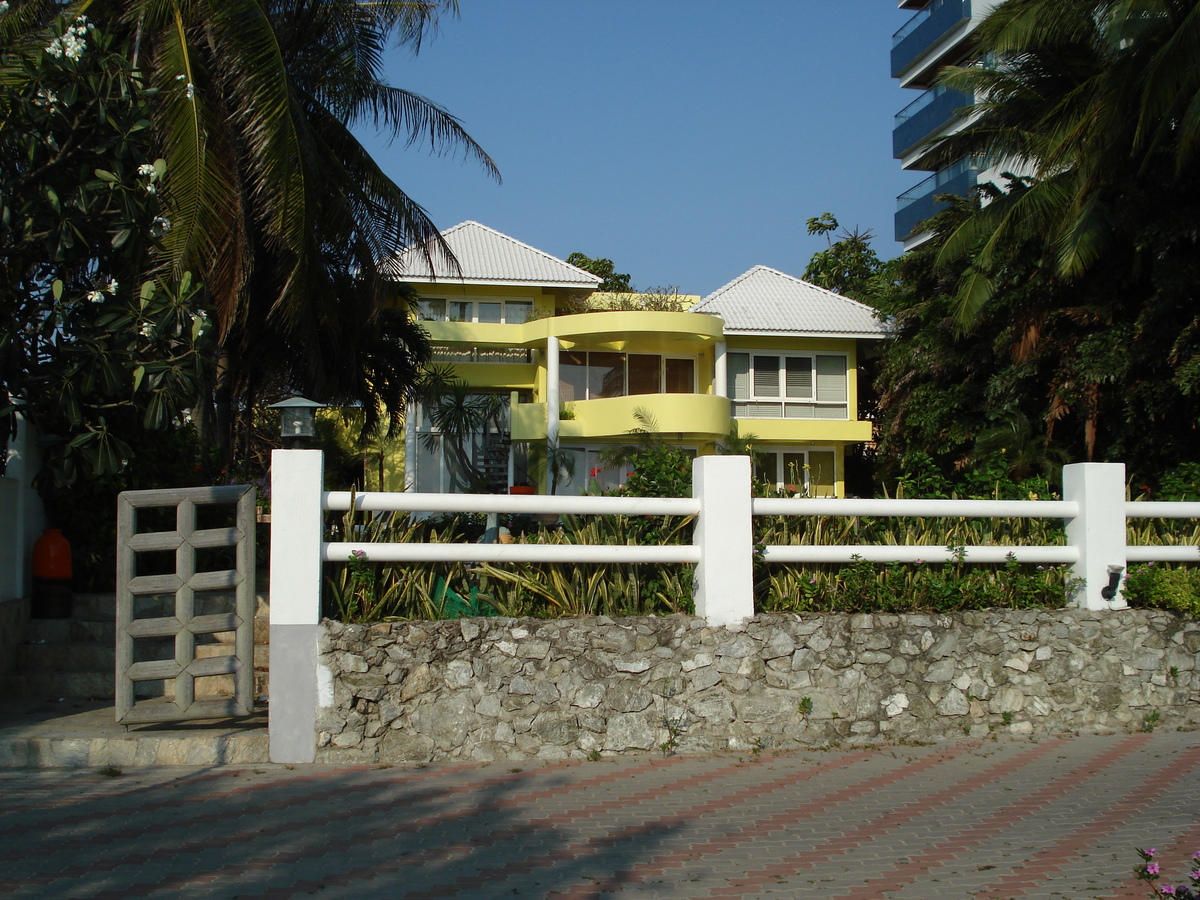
(695, 416)
(926, 117)
(918, 204)
(925, 30)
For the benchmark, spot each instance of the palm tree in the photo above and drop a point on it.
(1093, 100)
(273, 203)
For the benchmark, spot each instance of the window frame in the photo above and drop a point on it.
(625, 354)
(424, 314)
(780, 398)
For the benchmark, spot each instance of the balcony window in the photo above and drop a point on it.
(788, 386)
(590, 376)
(488, 312)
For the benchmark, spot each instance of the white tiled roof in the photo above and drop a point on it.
(764, 300)
(485, 256)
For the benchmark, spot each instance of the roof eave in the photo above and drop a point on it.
(776, 332)
(495, 282)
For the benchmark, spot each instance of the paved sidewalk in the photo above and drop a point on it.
(998, 819)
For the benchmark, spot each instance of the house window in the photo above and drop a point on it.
(489, 312)
(809, 473)
(788, 386)
(589, 376)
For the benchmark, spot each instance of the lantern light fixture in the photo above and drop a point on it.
(296, 420)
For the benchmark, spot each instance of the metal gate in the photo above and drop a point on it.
(180, 620)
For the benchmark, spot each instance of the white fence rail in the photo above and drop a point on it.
(1093, 507)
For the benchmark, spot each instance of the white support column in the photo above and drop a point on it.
(514, 400)
(724, 586)
(296, 484)
(720, 371)
(1098, 531)
(410, 447)
(553, 402)
(552, 407)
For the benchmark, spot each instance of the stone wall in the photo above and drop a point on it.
(516, 689)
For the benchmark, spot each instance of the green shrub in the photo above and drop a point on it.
(1164, 587)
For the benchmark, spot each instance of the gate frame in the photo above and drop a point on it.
(184, 625)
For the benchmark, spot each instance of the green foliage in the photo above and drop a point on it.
(1179, 483)
(1161, 586)
(614, 281)
(1058, 320)
(849, 265)
(89, 344)
(658, 469)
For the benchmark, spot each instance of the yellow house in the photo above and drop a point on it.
(767, 354)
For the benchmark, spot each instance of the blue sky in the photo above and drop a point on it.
(687, 140)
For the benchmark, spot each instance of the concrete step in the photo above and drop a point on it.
(56, 685)
(64, 631)
(66, 657)
(77, 735)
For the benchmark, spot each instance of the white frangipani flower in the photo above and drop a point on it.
(72, 43)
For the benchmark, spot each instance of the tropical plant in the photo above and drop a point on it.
(658, 468)
(460, 416)
(551, 464)
(849, 265)
(603, 268)
(1098, 101)
(92, 352)
(266, 196)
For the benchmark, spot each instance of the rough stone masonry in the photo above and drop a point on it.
(514, 689)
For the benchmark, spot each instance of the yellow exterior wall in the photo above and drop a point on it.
(699, 419)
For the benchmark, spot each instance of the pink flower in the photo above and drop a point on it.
(1166, 890)
(1150, 852)
(1152, 869)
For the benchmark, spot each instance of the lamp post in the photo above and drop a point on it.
(296, 421)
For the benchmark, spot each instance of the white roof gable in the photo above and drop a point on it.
(765, 301)
(485, 256)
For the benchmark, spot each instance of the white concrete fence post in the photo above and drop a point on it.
(724, 585)
(1098, 531)
(297, 478)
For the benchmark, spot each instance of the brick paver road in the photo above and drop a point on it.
(997, 819)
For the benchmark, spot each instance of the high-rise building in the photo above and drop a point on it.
(938, 34)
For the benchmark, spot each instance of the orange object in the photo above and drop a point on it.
(51, 576)
(522, 489)
(52, 556)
